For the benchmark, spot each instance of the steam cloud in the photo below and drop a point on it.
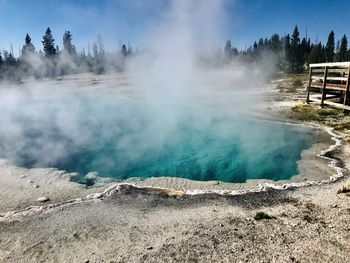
(179, 82)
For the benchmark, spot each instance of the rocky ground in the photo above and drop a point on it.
(304, 225)
(128, 224)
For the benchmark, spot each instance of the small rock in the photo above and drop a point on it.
(74, 176)
(43, 199)
(98, 195)
(334, 205)
(149, 248)
(36, 186)
(30, 181)
(91, 175)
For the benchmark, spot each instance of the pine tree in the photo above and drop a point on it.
(68, 47)
(296, 55)
(98, 63)
(317, 54)
(275, 43)
(124, 51)
(28, 47)
(49, 44)
(329, 50)
(314, 55)
(235, 52)
(287, 54)
(94, 50)
(337, 51)
(10, 60)
(343, 49)
(228, 50)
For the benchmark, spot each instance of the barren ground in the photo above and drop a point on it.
(308, 224)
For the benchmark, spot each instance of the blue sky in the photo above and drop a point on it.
(119, 21)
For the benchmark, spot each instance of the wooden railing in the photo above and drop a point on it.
(329, 79)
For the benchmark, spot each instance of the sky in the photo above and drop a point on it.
(121, 21)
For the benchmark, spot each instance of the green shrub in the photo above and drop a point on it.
(297, 83)
(262, 215)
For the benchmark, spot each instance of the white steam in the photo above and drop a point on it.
(162, 90)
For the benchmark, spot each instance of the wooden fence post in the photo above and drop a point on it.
(324, 85)
(347, 87)
(309, 86)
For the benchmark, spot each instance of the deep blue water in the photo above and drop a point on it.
(122, 139)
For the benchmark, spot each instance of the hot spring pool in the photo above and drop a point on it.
(121, 138)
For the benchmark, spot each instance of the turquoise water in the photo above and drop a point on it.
(123, 138)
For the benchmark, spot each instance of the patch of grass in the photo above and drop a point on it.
(344, 189)
(342, 126)
(329, 112)
(262, 215)
(307, 112)
(304, 112)
(297, 83)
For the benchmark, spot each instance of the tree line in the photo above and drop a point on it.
(291, 53)
(53, 62)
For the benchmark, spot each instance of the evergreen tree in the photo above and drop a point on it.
(275, 43)
(228, 50)
(9, 59)
(304, 50)
(343, 49)
(100, 45)
(329, 50)
(337, 52)
(124, 51)
(49, 44)
(235, 52)
(1, 63)
(28, 47)
(95, 50)
(317, 54)
(296, 58)
(98, 65)
(68, 47)
(323, 53)
(287, 54)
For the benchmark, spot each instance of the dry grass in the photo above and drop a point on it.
(344, 189)
(332, 117)
(262, 215)
(297, 83)
(307, 112)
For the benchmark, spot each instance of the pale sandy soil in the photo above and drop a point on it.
(127, 224)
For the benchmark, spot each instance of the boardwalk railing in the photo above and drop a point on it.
(331, 81)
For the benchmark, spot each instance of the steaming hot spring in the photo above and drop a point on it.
(85, 124)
